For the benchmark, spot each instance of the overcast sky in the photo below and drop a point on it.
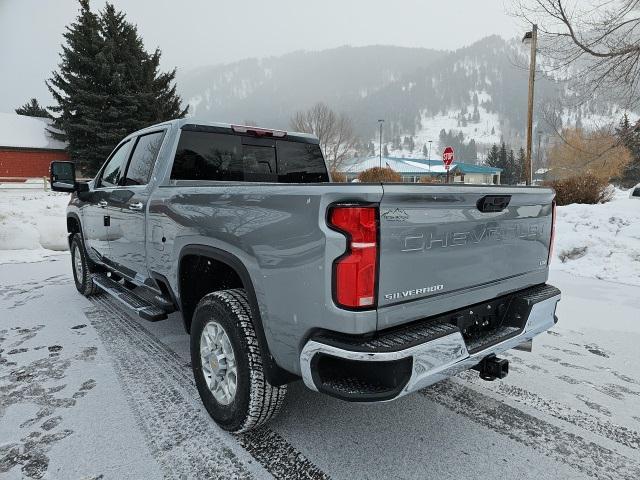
(205, 32)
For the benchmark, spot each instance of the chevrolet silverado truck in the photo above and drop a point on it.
(366, 292)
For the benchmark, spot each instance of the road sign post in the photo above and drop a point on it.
(447, 159)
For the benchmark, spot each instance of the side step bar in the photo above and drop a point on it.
(141, 307)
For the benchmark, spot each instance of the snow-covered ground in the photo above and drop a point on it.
(87, 391)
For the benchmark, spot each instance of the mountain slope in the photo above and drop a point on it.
(479, 90)
(269, 90)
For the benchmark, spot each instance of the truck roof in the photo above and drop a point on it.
(195, 122)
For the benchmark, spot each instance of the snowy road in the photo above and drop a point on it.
(87, 391)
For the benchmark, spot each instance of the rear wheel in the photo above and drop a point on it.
(227, 363)
(82, 277)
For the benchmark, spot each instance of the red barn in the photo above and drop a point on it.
(26, 148)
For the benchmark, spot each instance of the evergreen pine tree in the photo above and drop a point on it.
(519, 167)
(493, 157)
(630, 137)
(33, 109)
(385, 151)
(107, 86)
(502, 156)
(476, 114)
(76, 91)
(472, 151)
(498, 158)
(509, 174)
(425, 151)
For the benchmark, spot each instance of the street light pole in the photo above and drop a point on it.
(380, 122)
(538, 152)
(532, 37)
(429, 159)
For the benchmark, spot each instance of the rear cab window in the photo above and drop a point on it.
(205, 155)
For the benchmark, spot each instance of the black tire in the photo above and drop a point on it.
(256, 400)
(82, 276)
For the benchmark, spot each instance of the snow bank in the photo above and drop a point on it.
(600, 241)
(32, 225)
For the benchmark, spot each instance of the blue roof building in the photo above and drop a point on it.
(415, 169)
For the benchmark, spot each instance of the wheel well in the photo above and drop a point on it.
(200, 275)
(73, 226)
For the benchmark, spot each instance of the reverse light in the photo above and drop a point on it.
(553, 231)
(355, 273)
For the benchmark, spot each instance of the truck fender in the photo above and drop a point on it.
(275, 374)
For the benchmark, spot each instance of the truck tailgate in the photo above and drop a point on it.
(438, 241)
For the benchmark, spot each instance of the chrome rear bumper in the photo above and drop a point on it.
(436, 359)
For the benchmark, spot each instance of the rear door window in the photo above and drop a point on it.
(636, 192)
(143, 158)
(208, 156)
(300, 163)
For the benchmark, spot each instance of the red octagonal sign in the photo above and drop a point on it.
(447, 157)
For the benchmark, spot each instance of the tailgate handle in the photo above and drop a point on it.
(493, 203)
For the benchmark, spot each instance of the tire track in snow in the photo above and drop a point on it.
(604, 428)
(181, 435)
(587, 457)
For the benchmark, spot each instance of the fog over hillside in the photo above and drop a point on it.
(480, 90)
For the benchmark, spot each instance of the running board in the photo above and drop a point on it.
(141, 307)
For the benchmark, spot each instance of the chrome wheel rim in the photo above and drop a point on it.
(77, 264)
(218, 362)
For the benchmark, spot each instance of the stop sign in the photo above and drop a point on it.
(447, 157)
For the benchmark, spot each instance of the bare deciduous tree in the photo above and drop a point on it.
(335, 132)
(596, 41)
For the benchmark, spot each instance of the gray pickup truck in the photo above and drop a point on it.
(366, 292)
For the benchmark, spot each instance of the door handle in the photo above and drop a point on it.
(136, 206)
(102, 203)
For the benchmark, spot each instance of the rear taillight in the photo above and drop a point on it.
(356, 272)
(553, 231)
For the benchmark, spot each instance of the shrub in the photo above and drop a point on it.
(598, 153)
(377, 174)
(585, 188)
(338, 176)
(430, 179)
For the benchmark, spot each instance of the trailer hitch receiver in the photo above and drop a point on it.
(492, 367)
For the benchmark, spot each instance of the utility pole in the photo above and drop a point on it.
(530, 37)
(380, 122)
(429, 160)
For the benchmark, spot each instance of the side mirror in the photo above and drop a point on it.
(63, 177)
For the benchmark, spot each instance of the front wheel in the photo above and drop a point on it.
(82, 277)
(227, 363)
